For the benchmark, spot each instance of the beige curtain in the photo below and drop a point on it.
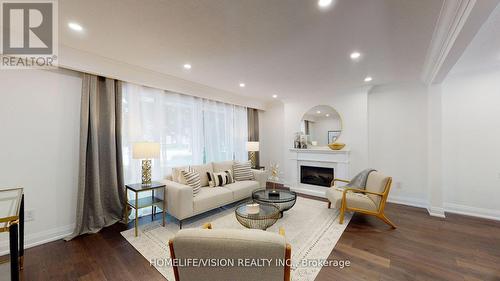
(101, 193)
(253, 128)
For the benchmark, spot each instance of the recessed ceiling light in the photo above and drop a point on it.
(368, 79)
(187, 66)
(319, 112)
(75, 26)
(327, 115)
(275, 96)
(324, 3)
(355, 55)
(242, 85)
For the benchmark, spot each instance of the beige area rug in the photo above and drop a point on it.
(311, 228)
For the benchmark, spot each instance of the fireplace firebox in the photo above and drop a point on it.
(319, 176)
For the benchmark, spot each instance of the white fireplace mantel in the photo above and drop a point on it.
(317, 157)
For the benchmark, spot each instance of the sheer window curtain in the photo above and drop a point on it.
(225, 131)
(173, 120)
(190, 130)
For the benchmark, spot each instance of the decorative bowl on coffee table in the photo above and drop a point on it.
(267, 215)
(284, 199)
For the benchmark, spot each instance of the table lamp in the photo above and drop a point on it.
(146, 151)
(252, 147)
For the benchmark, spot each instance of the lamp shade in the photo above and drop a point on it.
(146, 150)
(253, 146)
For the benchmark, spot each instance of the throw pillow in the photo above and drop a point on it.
(177, 175)
(230, 177)
(193, 180)
(217, 179)
(243, 171)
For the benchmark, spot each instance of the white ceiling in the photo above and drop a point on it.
(484, 50)
(285, 47)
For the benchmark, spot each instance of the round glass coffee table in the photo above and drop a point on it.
(267, 216)
(284, 199)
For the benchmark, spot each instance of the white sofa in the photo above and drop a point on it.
(182, 204)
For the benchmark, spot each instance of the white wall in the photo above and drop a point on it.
(271, 133)
(398, 139)
(471, 143)
(39, 141)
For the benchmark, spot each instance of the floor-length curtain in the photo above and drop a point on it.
(240, 133)
(101, 193)
(173, 120)
(253, 129)
(218, 131)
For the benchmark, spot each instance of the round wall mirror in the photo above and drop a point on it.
(322, 125)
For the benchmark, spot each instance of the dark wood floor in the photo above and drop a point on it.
(422, 248)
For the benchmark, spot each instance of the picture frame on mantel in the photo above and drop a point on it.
(333, 136)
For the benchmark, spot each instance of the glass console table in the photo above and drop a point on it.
(12, 220)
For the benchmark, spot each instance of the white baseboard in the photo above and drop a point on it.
(409, 201)
(42, 237)
(436, 212)
(472, 211)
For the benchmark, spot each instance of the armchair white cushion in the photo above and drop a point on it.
(230, 244)
(353, 200)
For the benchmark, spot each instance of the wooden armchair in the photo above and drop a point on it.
(370, 201)
(231, 244)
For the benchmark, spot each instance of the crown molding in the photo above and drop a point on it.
(453, 15)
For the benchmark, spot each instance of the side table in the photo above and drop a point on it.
(149, 201)
(12, 220)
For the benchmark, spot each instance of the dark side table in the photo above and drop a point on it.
(150, 201)
(12, 220)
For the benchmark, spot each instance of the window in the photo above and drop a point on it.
(190, 130)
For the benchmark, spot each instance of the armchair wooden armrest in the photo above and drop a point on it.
(357, 190)
(341, 180)
(288, 256)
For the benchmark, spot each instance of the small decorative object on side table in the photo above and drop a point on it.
(274, 180)
(150, 201)
(262, 218)
(284, 199)
(12, 220)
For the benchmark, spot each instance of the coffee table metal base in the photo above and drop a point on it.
(267, 216)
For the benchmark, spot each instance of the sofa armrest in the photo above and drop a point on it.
(179, 199)
(261, 177)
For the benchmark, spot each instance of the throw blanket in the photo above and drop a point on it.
(359, 181)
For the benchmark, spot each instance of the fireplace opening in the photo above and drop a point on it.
(316, 175)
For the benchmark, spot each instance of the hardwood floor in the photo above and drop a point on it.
(422, 248)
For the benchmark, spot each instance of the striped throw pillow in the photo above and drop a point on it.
(193, 179)
(230, 177)
(217, 179)
(243, 171)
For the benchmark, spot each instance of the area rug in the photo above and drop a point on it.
(311, 228)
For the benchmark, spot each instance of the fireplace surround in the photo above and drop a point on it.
(336, 160)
